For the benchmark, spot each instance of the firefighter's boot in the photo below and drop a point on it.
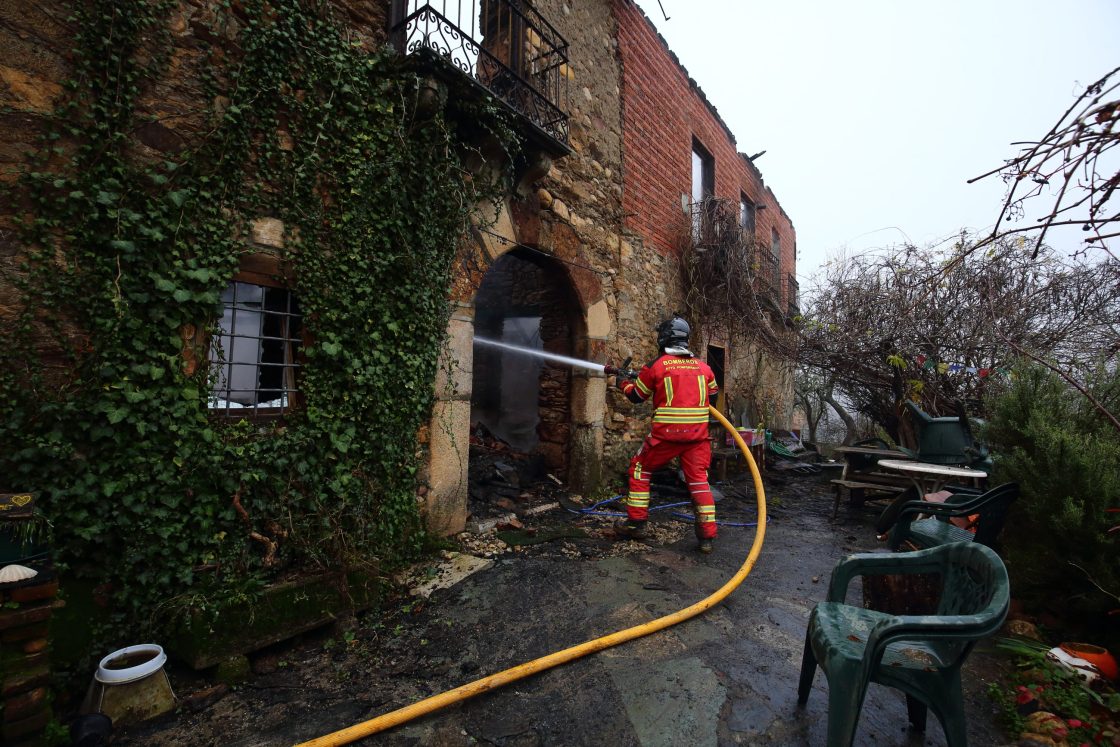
(630, 529)
(703, 544)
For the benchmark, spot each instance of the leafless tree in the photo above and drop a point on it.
(730, 280)
(934, 326)
(1072, 170)
(811, 387)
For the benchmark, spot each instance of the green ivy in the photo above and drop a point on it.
(123, 254)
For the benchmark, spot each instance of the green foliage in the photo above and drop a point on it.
(125, 256)
(1085, 714)
(1066, 458)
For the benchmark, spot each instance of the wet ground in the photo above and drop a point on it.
(727, 677)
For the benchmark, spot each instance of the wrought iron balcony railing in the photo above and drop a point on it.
(766, 278)
(505, 45)
(715, 224)
(793, 301)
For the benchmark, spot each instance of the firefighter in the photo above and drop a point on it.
(681, 386)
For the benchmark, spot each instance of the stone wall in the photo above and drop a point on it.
(604, 214)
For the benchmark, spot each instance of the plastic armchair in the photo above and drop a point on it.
(921, 655)
(947, 440)
(990, 508)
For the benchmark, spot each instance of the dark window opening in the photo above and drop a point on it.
(776, 252)
(703, 189)
(703, 173)
(746, 215)
(716, 362)
(254, 355)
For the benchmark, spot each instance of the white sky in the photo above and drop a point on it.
(875, 113)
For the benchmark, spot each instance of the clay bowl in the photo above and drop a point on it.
(1095, 655)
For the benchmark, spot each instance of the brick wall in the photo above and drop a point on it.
(663, 110)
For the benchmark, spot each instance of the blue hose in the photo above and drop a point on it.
(590, 511)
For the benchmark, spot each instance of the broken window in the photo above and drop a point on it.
(254, 354)
(746, 215)
(776, 251)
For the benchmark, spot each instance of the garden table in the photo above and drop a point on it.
(930, 478)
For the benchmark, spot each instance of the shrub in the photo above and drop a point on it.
(1065, 455)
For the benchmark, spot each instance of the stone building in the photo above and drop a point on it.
(619, 150)
(595, 241)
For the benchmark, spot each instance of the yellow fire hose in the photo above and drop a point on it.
(494, 681)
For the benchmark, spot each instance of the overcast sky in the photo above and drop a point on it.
(875, 113)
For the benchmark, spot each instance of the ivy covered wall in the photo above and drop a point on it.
(180, 141)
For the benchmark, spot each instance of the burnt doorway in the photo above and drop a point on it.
(521, 403)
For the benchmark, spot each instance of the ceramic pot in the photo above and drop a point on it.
(1095, 655)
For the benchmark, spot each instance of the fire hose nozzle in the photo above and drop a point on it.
(624, 370)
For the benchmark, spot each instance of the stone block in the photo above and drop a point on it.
(267, 232)
(445, 505)
(453, 376)
(599, 320)
(282, 611)
(27, 92)
(589, 401)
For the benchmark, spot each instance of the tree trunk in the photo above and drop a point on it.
(810, 421)
(849, 421)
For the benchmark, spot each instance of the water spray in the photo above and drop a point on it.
(521, 671)
(604, 368)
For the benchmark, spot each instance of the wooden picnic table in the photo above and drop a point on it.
(860, 474)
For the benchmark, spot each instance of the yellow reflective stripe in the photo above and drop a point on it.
(690, 420)
(642, 387)
(690, 414)
(638, 500)
(668, 390)
(706, 519)
(712, 386)
(638, 471)
(703, 390)
(707, 510)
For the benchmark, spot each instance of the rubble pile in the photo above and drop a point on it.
(506, 486)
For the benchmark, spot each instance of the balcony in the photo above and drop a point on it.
(715, 224)
(505, 46)
(766, 276)
(793, 300)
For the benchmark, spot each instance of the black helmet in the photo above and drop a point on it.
(673, 333)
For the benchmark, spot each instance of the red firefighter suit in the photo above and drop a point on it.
(681, 387)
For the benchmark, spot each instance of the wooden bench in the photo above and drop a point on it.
(884, 487)
(860, 475)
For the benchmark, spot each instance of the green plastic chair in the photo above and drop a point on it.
(991, 506)
(921, 655)
(947, 440)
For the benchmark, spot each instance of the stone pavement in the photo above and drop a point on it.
(727, 677)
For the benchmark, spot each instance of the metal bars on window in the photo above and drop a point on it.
(505, 45)
(254, 353)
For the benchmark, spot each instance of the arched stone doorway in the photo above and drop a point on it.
(556, 285)
(519, 400)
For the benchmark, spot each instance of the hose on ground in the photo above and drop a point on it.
(494, 681)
